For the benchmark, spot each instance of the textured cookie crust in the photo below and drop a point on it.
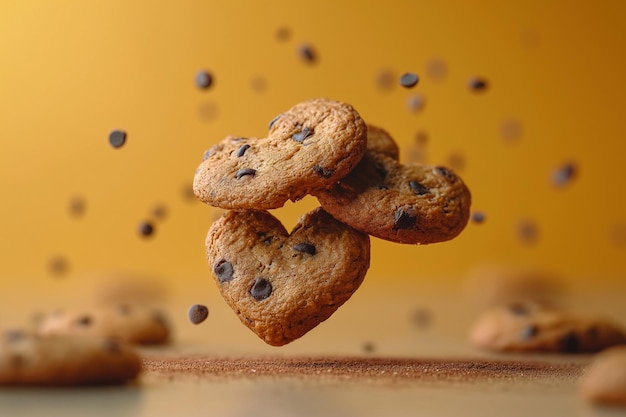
(379, 140)
(532, 328)
(282, 285)
(27, 359)
(403, 203)
(604, 381)
(138, 325)
(309, 147)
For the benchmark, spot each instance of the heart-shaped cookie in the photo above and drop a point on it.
(309, 147)
(280, 284)
(403, 203)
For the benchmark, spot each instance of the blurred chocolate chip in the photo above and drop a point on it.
(305, 248)
(302, 135)
(307, 53)
(385, 79)
(84, 321)
(478, 217)
(477, 84)
(187, 193)
(245, 172)
(159, 212)
(117, 138)
(380, 186)
(274, 120)
(528, 332)
(242, 150)
(159, 317)
(58, 266)
(197, 313)
(208, 110)
(77, 206)
(111, 345)
(409, 80)
(436, 69)
(404, 218)
(368, 347)
(569, 343)
(324, 172)
(204, 79)
(593, 332)
(421, 138)
(446, 173)
(511, 130)
(527, 231)
(564, 174)
(283, 33)
(268, 240)
(146, 229)
(258, 84)
(418, 188)
(456, 161)
(415, 102)
(518, 309)
(261, 289)
(14, 335)
(422, 318)
(223, 270)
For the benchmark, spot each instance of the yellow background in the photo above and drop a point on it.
(72, 71)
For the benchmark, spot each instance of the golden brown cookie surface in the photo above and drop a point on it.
(310, 146)
(280, 284)
(534, 328)
(27, 359)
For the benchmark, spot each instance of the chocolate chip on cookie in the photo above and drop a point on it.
(308, 148)
(280, 284)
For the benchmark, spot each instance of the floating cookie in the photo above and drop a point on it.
(532, 328)
(282, 285)
(604, 381)
(136, 325)
(27, 359)
(309, 147)
(410, 203)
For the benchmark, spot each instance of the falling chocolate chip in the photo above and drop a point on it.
(569, 343)
(307, 53)
(404, 218)
(77, 206)
(84, 321)
(305, 248)
(368, 347)
(528, 332)
(422, 318)
(242, 150)
(245, 172)
(527, 231)
(511, 130)
(415, 103)
(409, 80)
(146, 229)
(159, 212)
(283, 33)
(58, 266)
(223, 270)
(261, 289)
(197, 313)
(436, 69)
(302, 135)
(418, 188)
(385, 79)
(258, 84)
(324, 172)
(564, 174)
(204, 79)
(273, 121)
(477, 84)
(478, 217)
(446, 173)
(117, 138)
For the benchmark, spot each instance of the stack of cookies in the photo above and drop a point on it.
(281, 284)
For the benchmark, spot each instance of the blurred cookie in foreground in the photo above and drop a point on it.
(133, 324)
(61, 360)
(527, 327)
(489, 285)
(604, 381)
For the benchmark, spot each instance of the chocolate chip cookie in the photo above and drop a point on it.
(280, 284)
(403, 203)
(309, 147)
(28, 359)
(133, 324)
(534, 328)
(604, 381)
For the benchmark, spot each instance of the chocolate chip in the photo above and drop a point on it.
(511, 130)
(58, 266)
(146, 229)
(159, 212)
(446, 173)
(77, 206)
(385, 79)
(418, 188)
(528, 231)
(283, 33)
(307, 53)
(528, 332)
(368, 347)
(204, 79)
(564, 174)
(409, 80)
(84, 321)
(415, 102)
(569, 343)
(380, 170)
(268, 240)
(324, 172)
(223, 270)
(207, 154)
(117, 138)
(273, 121)
(302, 135)
(478, 217)
(242, 150)
(404, 218)
(436, 69)
(261, 289)
(197, 313)
(477, 84)
(244, 172)
(380, 187)
(305, 248)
